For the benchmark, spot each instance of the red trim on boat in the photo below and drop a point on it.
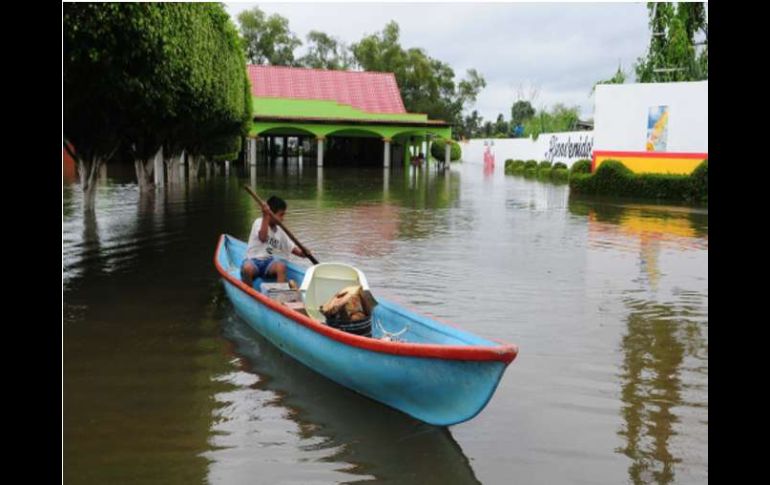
(504, 353)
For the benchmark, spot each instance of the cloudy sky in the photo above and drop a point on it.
(558, 50)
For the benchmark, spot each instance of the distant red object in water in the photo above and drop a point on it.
(489, 168)
(69, 170)
(489, 161)
(489, 157)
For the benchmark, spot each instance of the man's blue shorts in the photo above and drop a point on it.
(262, 265)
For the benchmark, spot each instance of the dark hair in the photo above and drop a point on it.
(276, 204)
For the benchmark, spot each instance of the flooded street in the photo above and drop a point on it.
(606, 299)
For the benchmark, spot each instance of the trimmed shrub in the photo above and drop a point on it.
(660, 186)
(560, 175)
(530, 172)
(581, 166)
(544, 166)
(699, 182)
(437, 150)
(518, 166)
(559, 165)
(514, 166)
(614, 178)
(530, 164)
(581, 183)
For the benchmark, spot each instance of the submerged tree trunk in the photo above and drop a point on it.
(88, 170)
(193, 166)
(144, 174)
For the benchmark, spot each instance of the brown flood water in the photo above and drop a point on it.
(607, 300)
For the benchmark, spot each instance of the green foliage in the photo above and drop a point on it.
(325, 52)
(427, 85)
(268, 40)
(559, 165)
(502, 127)
(611, 177)
(615, 179)
(672, 54)
(618, 78)
(560, 118)
(138, 76)
(544, 174)
(560, 175)
(223, 148)
(521, 111)
(542, 171)
(470, 127)
(530, 172)
(699, 182)
(581, 166)
(438, 146)
(514, 166)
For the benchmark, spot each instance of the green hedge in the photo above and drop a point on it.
(560, 175)
(511, 165)
(699, 182)
(614, 178)
(437, 150)
(514, 166)
(581, 166)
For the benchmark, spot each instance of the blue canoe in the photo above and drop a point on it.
(434, 372)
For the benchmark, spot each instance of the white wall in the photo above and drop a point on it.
(621, 111)
(568, 148)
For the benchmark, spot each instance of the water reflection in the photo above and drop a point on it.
(152, 392)
(648, 228)
(658, 341)
(664, 372)
(333, 425)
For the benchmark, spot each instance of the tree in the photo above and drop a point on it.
(672, 54)
(521, 111)
(471, 126)
(501, 126)
(141, 76)
(488, 129)
(427, 85)
(560, 118)
(268, 40)
(618, 78)
(325, 52)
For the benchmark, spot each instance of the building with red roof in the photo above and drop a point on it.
(350, 115)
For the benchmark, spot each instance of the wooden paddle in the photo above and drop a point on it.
(288, 232)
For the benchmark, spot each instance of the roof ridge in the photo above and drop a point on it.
(270, 66)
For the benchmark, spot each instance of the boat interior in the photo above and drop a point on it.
(321, 282)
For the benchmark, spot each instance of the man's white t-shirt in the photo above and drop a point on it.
(277, 242)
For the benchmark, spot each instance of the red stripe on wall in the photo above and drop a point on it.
(648, 155)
